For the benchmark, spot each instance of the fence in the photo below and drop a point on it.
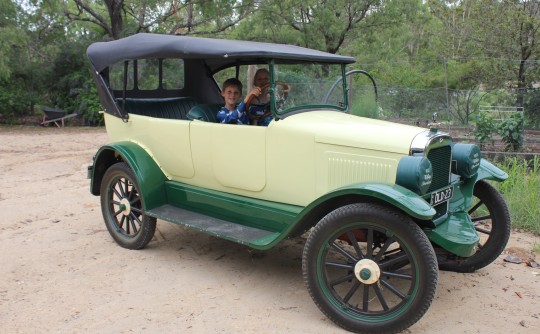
(456, 108)
(500, 113)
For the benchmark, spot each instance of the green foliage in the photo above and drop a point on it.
(405, 44)
(485, 127)
(504, 34)
(532, 108)
(72, 87)
(511, 131)
(319, 26)
(364, 105)
(522, 192)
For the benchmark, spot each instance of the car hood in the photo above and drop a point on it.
(338, 128)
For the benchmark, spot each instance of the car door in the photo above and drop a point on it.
(228, 157)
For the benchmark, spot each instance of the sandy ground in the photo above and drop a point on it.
(61, 272)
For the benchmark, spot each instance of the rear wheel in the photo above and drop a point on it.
(491, 219)
(122, 208)
(370, 269)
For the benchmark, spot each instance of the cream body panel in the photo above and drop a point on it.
(229, 156)
(343, 129)
(294, 160)
(338, 166)
(167, 141)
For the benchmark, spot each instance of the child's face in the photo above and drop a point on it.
(231, 94)
(261, 78)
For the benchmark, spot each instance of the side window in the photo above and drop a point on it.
(116, 76)
(173, 74)
(230, 72)
(148, 75)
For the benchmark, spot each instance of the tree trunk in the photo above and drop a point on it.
(115, 13)
(521, 86)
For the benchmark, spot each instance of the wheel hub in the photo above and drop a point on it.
(367, 271)
(125, 206)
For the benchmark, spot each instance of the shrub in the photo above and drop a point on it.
(522, 192)
(511, 131)
(485, 127)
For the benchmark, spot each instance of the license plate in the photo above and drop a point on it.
(442, 196)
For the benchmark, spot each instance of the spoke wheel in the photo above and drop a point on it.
(122, 208)
(491, 218)
(370, 269)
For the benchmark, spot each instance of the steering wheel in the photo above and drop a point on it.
(281, 92)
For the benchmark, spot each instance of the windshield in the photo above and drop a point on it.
(308, 86)
(297, 87)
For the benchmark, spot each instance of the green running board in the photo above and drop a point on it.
(246, 235)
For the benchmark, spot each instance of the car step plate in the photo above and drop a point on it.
(221, 228)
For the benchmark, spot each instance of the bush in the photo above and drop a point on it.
(511, 131)
(485, 127)
(522, 192)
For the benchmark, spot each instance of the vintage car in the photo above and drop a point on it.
(384, 205)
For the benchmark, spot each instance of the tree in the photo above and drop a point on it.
(8, 36)
(319, 24)
(17, 70)
(119, 18)
(498, 30)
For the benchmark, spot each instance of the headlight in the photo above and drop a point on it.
(465, 160)
(415, 174)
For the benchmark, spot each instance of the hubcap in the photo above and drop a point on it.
(125, 206)
(367, 271)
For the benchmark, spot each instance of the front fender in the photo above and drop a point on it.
(463, 193)
(489, 171)
(395, 195)
(149, 176)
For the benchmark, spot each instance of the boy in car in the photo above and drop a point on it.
(230, 113)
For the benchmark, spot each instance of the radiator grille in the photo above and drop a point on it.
(440, 161)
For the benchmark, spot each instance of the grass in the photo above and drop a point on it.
(522, 193)
(536, 248)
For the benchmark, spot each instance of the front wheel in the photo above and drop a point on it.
(122, 208)
(491, 219)
(370, 269)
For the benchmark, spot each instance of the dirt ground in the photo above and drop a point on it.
(61, 272)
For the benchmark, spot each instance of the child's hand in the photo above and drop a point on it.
(254, 91)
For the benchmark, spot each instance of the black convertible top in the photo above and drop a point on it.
(218, 53)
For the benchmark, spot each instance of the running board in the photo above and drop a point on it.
(246, 235)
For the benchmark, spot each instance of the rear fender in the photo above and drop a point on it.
(149, 176)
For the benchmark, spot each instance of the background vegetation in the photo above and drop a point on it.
(450, 57)
(522, 192)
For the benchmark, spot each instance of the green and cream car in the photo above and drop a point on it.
(385, 205)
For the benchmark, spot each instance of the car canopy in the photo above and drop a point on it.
(218, 53)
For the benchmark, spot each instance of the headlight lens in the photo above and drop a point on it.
(415, 174)
(465, 159)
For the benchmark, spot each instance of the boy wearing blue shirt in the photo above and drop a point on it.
(230, 113)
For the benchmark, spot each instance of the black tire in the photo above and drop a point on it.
(491, 218)
(401, 277)
(122, 208)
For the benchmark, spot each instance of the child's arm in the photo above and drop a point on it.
(241, 114)
(238, 116)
